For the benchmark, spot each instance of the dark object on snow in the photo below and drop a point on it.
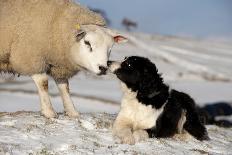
(209, 112)
(128, 24)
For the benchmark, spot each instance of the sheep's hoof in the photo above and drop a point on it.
(49, 114)
(73, 114)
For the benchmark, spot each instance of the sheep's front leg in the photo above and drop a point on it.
(41, 81)
(67, 101)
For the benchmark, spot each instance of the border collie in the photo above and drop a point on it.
(149, 108)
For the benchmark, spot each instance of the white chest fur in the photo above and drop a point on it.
(140, 115)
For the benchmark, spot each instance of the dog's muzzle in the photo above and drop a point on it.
(113, 66)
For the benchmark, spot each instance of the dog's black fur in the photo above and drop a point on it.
(141, 76)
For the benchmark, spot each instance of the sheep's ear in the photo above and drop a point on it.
(120, 39)
(80, 34)
(116, 36)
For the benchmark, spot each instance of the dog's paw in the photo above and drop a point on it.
(129, 139)
(140, 135)
(122, 132)
(124, 138)
(182, 137)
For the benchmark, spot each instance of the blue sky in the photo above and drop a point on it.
(196, 18)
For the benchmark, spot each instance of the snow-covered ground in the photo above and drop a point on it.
(29, 133)
(202, 68)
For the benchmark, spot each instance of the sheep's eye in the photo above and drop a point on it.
(88, 44)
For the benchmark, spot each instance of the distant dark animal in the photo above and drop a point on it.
(129, 24)
(149, 108)
(209, 112)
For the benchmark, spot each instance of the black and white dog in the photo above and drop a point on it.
(149, 108)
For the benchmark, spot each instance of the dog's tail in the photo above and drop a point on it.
(192, 124)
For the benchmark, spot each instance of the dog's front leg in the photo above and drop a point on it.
(41, 81)
(69, 108)
(122, 129)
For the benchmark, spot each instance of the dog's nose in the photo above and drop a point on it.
(109, 63)
(102, 70)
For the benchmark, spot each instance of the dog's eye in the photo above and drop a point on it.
(88, 44)
(129, 65)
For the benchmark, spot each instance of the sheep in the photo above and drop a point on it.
(57, 38)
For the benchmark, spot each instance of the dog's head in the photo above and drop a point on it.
(139, 74)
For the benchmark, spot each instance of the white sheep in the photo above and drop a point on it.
(56, 38)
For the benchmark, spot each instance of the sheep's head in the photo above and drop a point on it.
(93, 46)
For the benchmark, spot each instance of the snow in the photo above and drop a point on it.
(201, 68)
(29, 133)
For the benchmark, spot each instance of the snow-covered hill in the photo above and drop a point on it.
(201, 68)
(29, 133)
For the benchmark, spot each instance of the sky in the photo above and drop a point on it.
(195, 18)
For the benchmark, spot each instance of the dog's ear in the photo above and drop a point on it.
(150, 82)
(146, 84)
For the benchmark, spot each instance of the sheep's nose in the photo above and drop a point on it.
(102, 70)
(109, 63)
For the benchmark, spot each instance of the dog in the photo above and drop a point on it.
(149, 108)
